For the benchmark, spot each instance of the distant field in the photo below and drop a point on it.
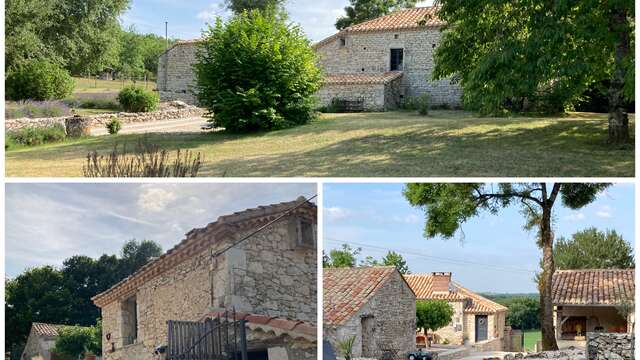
(531, 337)
(86, 85)
(504, 298)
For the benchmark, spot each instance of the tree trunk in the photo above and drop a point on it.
(548, 267)
(618, 117)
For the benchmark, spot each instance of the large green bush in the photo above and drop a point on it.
(257, 72)
(137, 99)
(32, 136)
(39, 80)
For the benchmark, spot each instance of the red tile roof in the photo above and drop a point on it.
(295, 329)
(43, 329)
(347, 290)
(593, 287)
(349, 79)
(402, 19)
(422, 285)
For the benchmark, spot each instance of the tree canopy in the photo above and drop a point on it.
(593, 249)
(448, 206)
(362, 10)
(392, 258)
(433, 314)
(75, 341)
(534, 54)
(340, 258)
(523, 313)
(238, 6)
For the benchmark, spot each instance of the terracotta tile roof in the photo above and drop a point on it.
(402, 19)
(593, 287)
(346, 290)
(198, 240)
(422, 285)
(295, 329)
(349, 79)
(42, 329)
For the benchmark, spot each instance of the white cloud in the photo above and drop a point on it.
(212, 12)
(155, 199)
(575, 216)
(337, 213)
(605, 212)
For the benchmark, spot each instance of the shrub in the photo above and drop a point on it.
(35, 109)
(147, 160)
(419, 103)
(75, 341)
(257, 72)
(31, 136)
(39, 80)
(114, 125)
(346, 347)
(137, 99)
(94, 101)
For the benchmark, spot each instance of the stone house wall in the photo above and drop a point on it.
(369, 52)
(266, 275)
(176, 77)
(38, 348)
(454, 332)
(609, 346)
(376, 97)
(495, 326)
(392, 310)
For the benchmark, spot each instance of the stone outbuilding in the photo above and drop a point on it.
(475, 318)
(176, 77)
(373, 304)
(260, 263)
(593, 301)
(402, 43)
(41, 340)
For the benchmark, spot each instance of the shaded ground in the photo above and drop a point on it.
(184, 125)
(392, 144)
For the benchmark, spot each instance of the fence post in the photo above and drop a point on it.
(243, 340)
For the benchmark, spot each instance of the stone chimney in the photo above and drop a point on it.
(441, 282)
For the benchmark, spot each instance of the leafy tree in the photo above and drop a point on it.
(77, 34)
(433, 314)
(238, 6)
(136, 254)
(391, 259)
(362, 10)
(508, 54)
(345, 257)
(38, 80)
(257, 72)
(524, 313)
(593, 249)
(447, 206)
(76, 341)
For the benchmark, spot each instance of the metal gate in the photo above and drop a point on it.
(222, 338)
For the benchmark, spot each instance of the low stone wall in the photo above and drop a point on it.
(610, 346)
(102, 119)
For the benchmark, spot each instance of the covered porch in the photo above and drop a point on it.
(573, 322)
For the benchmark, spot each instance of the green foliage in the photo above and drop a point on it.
(433, 314)
(392, 258)
(114, 125)
(138, 53)
(593, 249)
(35, 109)
(238, 6)
(32, 136)
(421, 104)
(76, 34)
(523, 313)
(345, 346)
(38, 80)
(137, 99)
(76, 341)
(345, 257)
(257, 72)
(536, 55)
(362, 10)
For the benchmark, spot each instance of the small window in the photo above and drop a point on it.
(396, 36)
(397, 58)
(306, 234)
(433, 46)
(129, 321)
(343, 41)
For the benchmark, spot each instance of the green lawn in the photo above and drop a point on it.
(531, 337)
(399, 144)
(86, 85)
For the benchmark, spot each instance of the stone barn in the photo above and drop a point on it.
(268, 279)
(593, 301)
(475, 319)
(176, 77)
(373, 304)
(385, 61)
(41, 340)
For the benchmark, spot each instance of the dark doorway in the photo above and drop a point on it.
(397, 59)
(368, 336)
(573, 327)
(482, 328)
(256, 355)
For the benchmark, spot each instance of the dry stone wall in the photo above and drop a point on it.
(369, 53)
(611, 346)
(176, 77)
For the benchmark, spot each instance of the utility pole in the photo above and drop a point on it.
(166, 34)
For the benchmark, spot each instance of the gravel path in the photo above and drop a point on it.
(164, 126)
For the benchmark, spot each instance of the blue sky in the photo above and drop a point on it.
(188, 18)
(46, 223)
(493, 255)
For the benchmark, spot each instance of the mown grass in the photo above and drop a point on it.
(392, 144)
(531, 337)
(87, 85)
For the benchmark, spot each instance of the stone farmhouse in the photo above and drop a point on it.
(269, 279)
(475, 319)
(593, 301)
(373, 304)
(41, 340)
(378, 64)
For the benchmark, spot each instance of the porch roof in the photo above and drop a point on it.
(278, 326)
(360, 78)
(593, 287)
